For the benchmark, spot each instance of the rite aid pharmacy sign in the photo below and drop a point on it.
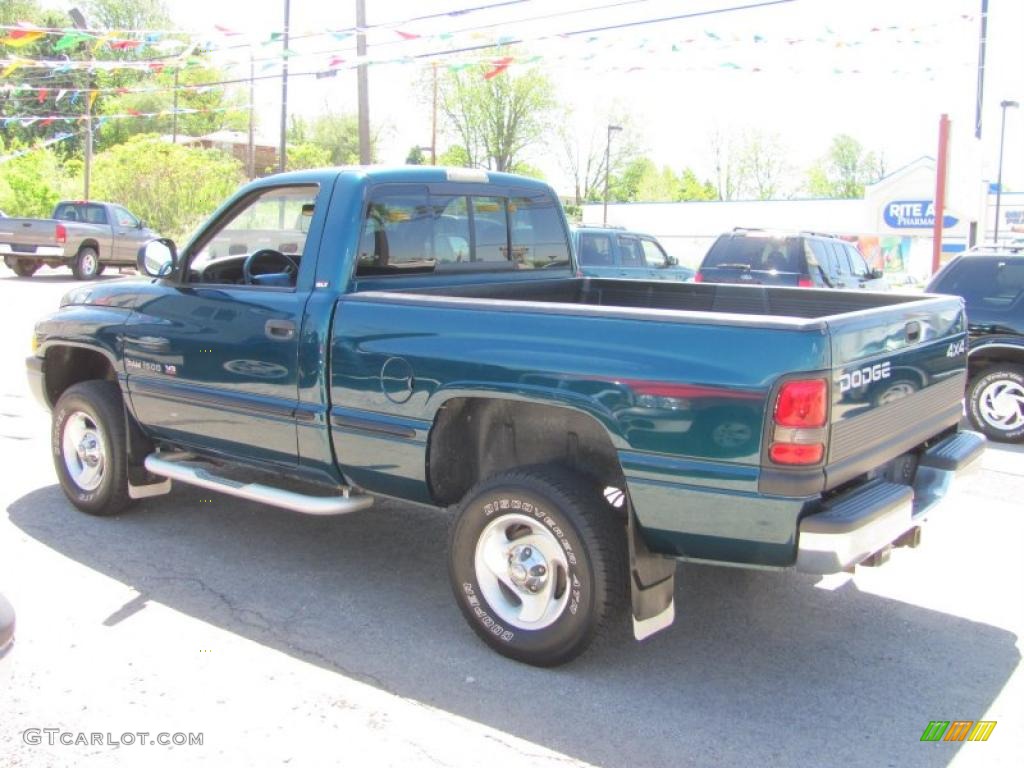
(914, 214)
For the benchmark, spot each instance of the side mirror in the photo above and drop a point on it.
(158, 258)
(876, 274)
(671, 261)
(142, 224)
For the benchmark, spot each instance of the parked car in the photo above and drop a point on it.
(802, 259)
(427, 339)
(990, 280)
(86, 236)
(615, 252)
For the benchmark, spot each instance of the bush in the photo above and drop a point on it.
(171, 187)
(30, 185)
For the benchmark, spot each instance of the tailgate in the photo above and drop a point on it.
(898, 377)
(23, 235)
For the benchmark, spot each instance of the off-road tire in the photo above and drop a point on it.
(570, 509)
(99, 405)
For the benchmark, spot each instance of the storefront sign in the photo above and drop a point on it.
(914, 214)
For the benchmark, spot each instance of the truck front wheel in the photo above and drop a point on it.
(89, 447)
(87, 264)
(536, 559)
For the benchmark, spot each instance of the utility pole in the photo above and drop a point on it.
(607, 167)
(363, 85)
(433, 119)
(174, 111)
(251, 156)
(88, 142)
(284, 89)
(1004, 105)
(940, 192)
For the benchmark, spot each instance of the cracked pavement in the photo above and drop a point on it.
(292, 640)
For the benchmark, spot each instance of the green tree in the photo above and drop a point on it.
(845, 170)
(455, 157)
(126, 14)
(625, 187)
(415, 157)
(585, 148)
(658, 185)
(761, 165)
(496, 118)
(690, 188)
(172, 187)
(337, 132)
(308, 155)
(30, 185)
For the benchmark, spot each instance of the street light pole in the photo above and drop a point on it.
(999, 180)
(607, 168)
(282, 161)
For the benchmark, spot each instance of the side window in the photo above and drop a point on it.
(595, 250)
(265, 236)
(860, 267)
(653, 255)
(124, 219)
(490, 225)
(632, 253)
(94, 214)
(538, 232)
(839, 264)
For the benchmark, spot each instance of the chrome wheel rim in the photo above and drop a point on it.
(522, 571)
(1001, 404)
(83, 451)
(88, 263)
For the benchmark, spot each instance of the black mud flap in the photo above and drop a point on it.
(141, 482)
(652, 582)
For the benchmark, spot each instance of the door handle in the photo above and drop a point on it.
(913, 331)
(279, 330)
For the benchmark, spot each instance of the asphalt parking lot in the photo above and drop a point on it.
(289, 640)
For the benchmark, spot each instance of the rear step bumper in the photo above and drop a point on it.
(867, 520)
(277, 497)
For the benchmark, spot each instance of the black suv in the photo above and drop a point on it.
(990, 279)
(804, 260)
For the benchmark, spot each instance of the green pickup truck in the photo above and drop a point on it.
(333, 336)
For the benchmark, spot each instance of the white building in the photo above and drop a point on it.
(892, 224)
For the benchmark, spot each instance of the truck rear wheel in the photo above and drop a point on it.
(89, 447)
(536, 559)
(87, 264)
(995, 402)
(24, 268)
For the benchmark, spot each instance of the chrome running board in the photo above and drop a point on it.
(347, 502)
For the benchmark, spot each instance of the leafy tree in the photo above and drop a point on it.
(690, 188)
(170, 186)
(308, 155)
(415, 157)
(218, 109)
(496, 118)
(845, 170)
(30, 185)
(658, 185)
(625, 187)
(761, 165)
(126, 14)
(455, 157)
(337, 132)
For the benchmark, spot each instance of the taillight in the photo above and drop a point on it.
(805, 282)
(698, 278)
(801, 412)
(62, 234)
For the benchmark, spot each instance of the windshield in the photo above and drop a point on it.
(782, 254)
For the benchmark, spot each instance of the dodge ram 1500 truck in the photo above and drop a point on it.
(332, 336)
(84, 235)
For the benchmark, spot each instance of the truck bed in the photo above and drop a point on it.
(780, 304)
